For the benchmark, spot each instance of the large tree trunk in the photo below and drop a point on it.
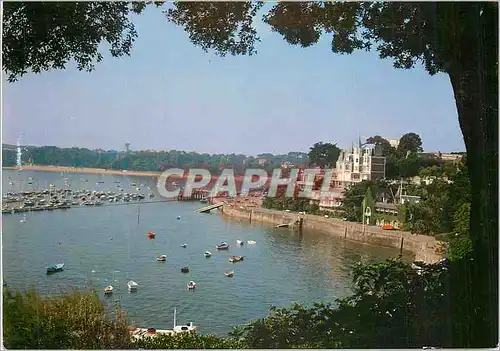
(474, 77)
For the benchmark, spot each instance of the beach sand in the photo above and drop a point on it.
(85, 170)
(60, 169)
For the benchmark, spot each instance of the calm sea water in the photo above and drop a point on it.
(99, 244)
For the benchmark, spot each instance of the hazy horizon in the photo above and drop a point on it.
(171, 95)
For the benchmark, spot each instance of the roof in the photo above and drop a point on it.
(411, 196)
(386, 206)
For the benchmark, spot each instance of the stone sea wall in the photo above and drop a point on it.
(425, 248)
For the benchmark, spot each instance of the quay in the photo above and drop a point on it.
(424, 248)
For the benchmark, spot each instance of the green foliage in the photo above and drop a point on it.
(353, 198)
(8, 158)
(431, 215)
(145, 160)
(187, 341)
(392, 306)
(460, 189)
(78, 320)
(430, 172)
(324, 154)
(410, 142)
(380, 144)
(72, 321)
(39, 36)
(460, 244)
(295, 204)
(225, 27)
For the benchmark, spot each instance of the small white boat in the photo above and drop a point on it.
(234, 259)
(251, 242)
(161, 258)
(240, 242)
(191, 285)
(184, 245)
(141, 333)
(55, 268)
(132, 285)
(229, 274)
(108, 290)
(208, 254)
(178, 217)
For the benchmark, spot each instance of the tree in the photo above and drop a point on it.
(410, 142)
(392, 306)
(459, 39)
(353, 198)
(460, 243)
(430, 172)
(380, 143)
(324, 154)
(39, 36)
(73, 321)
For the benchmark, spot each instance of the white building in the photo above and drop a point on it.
(357, 164)
(394, 142)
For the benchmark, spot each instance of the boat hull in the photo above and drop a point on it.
(55, 268)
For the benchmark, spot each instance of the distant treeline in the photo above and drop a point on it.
(148, 160)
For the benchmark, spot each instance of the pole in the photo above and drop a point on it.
(175, 312)
(138, 213)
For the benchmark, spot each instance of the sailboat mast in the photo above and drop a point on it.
(175, 312)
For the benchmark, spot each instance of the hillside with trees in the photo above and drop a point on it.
(155, 161)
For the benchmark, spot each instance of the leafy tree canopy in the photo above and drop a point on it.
(324, 154)
(410, 142)
(382, 144)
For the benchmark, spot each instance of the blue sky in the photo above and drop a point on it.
(171, 95)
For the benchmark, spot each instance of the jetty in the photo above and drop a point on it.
(209, 208)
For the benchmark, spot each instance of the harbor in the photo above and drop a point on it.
(108, 245)
(61, 199)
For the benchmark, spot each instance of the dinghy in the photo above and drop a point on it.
(161, 258)
(132, 285)
(222, 246)
(229, 274)
(191, 285)
(55, 268)
(108, 290)
(234, 259)
(208, 254)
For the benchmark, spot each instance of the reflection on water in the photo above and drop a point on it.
(102, 245)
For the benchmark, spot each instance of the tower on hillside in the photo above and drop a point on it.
(127, 147)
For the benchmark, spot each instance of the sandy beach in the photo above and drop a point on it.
(85, 170)
(60, 169)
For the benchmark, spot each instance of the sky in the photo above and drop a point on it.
(169, 94)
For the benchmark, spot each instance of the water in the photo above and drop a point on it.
(283, 266)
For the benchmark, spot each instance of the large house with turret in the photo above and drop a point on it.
(364, 162)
